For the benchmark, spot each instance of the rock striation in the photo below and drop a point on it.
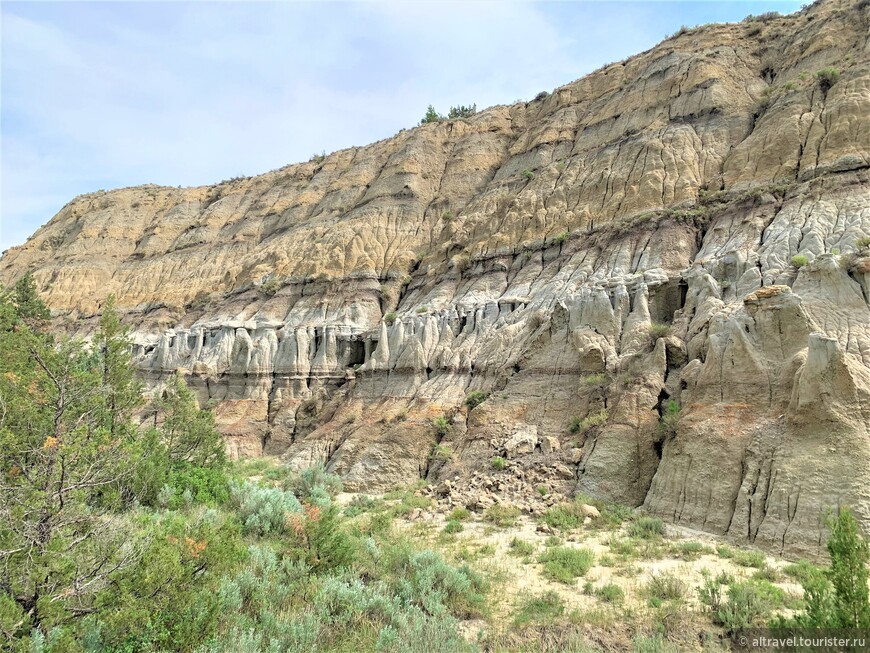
(650, 286)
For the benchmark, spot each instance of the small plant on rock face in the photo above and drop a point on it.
(442, 452)
(528, 174)
(863, 242)
(390, 317)
(442, 426)
(498, 463)
(577, 425)
(828, 77)
(561, 238)
(799, 260)
(658, 330)
(474, 399)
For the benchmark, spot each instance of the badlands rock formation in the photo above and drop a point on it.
(614, 259)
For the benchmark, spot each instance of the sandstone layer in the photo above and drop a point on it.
(664, 257)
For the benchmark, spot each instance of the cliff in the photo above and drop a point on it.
(657, 275)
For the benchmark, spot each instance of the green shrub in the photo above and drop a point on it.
(564, 516)
(453, 527)
(502, 516)
(690, 550)
(659, 330)
(498, 463)
(799, 260)
(610, 593)
(521, 547)
(313, 483)
(647, 527)
(767, 573)
(665, 587)
(271, 286)
(801, 570)
(474, 399)
(459, 514)
(540, 609)
(564, 564)
(863, 242)
(442, 426)
(746, 607)
(390, 318)
(528, 174)
(441, 452)
(578, 426)
(263, 510)
(561, 238)
(599, 379)
(827, 77)
(670, 418)
(725, 551)
(710, 593)
(750, 559)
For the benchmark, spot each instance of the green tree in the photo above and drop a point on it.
(462, 111)
(28, 305)
(123, 393)
(431, 116)
(838, 596)
(189, 433)
(61, 469)
(849, 557)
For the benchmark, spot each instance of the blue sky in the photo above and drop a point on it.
(104, 95)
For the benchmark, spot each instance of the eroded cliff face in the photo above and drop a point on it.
(330, 311)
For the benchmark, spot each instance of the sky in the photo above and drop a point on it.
(104, 95)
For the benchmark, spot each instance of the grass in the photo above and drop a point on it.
(754, 559)
(578, 425)
(799, 260)
(474, 399)
(863, 242)
(665, 587)
(521, 547)
(564, 516)
(564, 564)
(647, 528)
(498, 463)
(459, 514)
(610, 593)
(453, 527)
(689, 550)
(541, 609)
(802, 571)
(502, 516)
(390, 317)
(659, 330)
(442, 425)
